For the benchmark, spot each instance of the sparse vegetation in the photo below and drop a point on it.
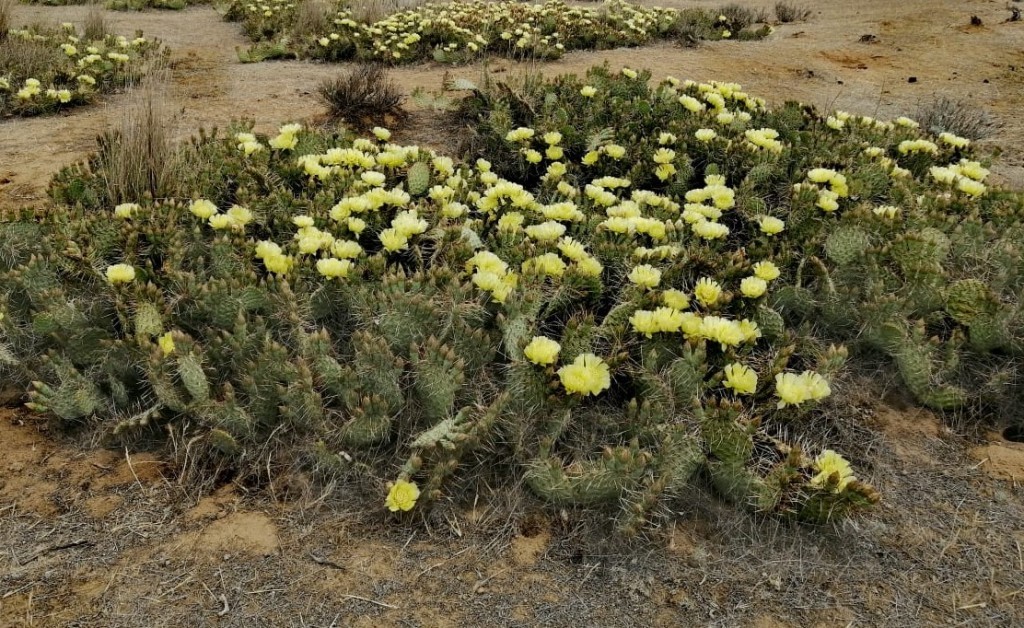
(45, 70)
(126, 5)
(960, 117)
(364, 96)
(478, 29)
(787, 12)
(94, 28)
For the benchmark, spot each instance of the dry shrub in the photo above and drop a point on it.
(363, 95)
(787, 12)
(739, 17)
(137, 158)
(24, 57)
(95, 25)
(312, 18)
(370, 11)
(959, 117)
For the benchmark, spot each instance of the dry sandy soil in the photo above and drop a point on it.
(99, 537)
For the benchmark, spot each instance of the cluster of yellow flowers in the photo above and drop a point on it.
(794, 389)
(235, 218)
(967, 176)
(586, 375)
(74, 80)
(907, 147)
(828, 198)
(764, 139)
(273, 257)
(285, 139)
(465, 29)
(726, 332)
(703, 218)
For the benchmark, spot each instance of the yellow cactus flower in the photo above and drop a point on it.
(333, 268)
(120, 273)
(546, 231)
(766, 270)
(402, 496)
(392, 240)
(771, 225)
(794, 389)
(126, 210)
(740, 378)
(542, 351)
(676, 299)
(587, 375)
(202, 209)
(970, 187)
(645, 276)
(753, 287)
(166, 343)
(615, 151)
(830, 464)
(240, 215)
(707, 291)
(221, 221)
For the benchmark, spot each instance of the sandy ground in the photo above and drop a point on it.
(98, 537)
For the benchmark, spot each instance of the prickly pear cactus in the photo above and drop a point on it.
(967, 300)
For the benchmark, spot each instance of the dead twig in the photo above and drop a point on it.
(224, 611)
(436, 565)
(56, 548)
(366, 599)
(326, 563)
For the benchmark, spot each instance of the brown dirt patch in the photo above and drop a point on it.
(1001, 459)
(242, 532)
(910, 432)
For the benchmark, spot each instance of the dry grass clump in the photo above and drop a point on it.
(363, 95)
(959, 117)
(23, 57)
(787, 12)
(370, 11)
(95, 24)
(312, 17)
(739, 17)
(137, 158)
